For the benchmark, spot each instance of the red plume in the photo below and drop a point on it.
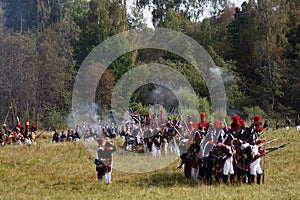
(257, 119)
(236, 118)
(217, 124)
(202, 119)
(237, 126)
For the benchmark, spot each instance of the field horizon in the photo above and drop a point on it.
(67, 171)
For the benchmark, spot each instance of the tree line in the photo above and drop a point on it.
(43, 43)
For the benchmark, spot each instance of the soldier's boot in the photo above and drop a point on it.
(99, 175)
(225, 178)
(240, 174)
(217, 179)
(244, 176)
(259, 178)
(252, 178)
(232, 179)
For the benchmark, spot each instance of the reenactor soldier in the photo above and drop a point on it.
(255, 168)
(297, 122)
(229, 153)
(56, 137)
(3, 137)
(104, 156)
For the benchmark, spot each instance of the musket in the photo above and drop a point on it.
(7, 114)
(262, 132)
(131, 113)
(225, 122)
(269, 150)
(174, 126)
(184, 121)
(276, 148)
(40, 134)
(263, 144)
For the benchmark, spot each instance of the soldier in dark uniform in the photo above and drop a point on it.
(76, 136)
(287, 123)
(56, 137)
(297, 122)
(277, 125)
(63, 136)
(147, 140)
(185, 160)
(70, 136)
(104, 153)
(266, 124)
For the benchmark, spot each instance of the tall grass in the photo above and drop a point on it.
(67, 171)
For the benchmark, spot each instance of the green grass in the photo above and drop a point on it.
(67, 171)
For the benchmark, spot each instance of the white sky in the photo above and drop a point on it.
(147, 13)
(238, 2)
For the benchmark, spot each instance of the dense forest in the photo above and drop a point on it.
(43, 43)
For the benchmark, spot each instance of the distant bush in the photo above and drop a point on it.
(250, 112)
(53, 120)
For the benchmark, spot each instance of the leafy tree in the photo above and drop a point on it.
(251, 112)
(105, 89)
(136, 17)
(56, 68)
(259, 44)
(19, 15)
(34, 15)
(103, 19)
(18, 78)
(191, 9)
(2, 19)
(241, 32)
(292, 84)
(270, 50)
(218, 28)
(235, 98)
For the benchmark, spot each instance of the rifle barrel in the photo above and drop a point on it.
(278, 147)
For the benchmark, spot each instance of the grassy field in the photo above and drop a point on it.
(67, 171)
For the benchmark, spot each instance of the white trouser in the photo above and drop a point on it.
(107, 177)
(28, 141)
(155, 150)
(139, 140)
(255, 167)
(228, 166)
(194, 174)
(165, 146)
(145, 147)
(174, 147)
(298, 128)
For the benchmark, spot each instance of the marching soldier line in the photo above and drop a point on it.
(19, 134)
(209, 152)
